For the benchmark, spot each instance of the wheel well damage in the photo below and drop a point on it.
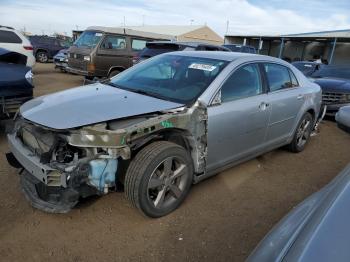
(184, 126)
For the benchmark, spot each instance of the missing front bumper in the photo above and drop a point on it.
(48, 199)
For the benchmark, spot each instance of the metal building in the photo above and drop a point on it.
(186, 33)
(331, 46)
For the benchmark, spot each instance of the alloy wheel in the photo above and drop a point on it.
(303, 132)
(167, 182)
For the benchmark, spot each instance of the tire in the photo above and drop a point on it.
(159, 178)
(42, 57)
(113, 73)
(302, 134)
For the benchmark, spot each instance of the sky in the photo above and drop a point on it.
(245, 17)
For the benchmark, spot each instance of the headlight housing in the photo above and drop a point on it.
(29, 77)
(87, 58)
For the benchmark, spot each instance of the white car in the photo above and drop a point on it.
(15, 41)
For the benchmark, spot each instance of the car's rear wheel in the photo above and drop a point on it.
(42, 57)
(302, 134)
(159, 178)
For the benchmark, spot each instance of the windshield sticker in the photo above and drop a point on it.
(308, 65)
(202, 67)
(98, 34)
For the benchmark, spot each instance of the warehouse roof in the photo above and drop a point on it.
(173, 30)
(130, 31)
(341, 35)
(335, 33)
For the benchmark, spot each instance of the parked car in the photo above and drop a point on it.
(160, 126)
(45, 47)
(308, 68)
(106, 51)
(13, 40)
(240, 48)
(61, 60)
(161, 47)
(335, 83)
(316, 230)
(343, 118)
(16, 85)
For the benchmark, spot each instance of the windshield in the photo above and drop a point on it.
(333, 72)
(180, 79)
(88, 39)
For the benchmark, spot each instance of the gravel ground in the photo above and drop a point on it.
(222, 219)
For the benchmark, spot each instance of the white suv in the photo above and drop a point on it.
(13, 40)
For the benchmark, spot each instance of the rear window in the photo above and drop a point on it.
(157, 49)
(9, 37)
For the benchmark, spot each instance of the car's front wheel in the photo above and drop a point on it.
(302, 134)
(159, 178)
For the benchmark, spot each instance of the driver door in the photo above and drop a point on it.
(237, 125)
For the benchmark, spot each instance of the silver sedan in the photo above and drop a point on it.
(160, 126)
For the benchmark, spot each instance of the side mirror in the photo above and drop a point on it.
(287, 85)
(217, 99)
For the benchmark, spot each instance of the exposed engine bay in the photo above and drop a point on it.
(65, 165)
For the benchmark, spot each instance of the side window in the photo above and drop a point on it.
(138, 45)
(294, 79)
(9, 37)
(244, 82)
(278, 77)
(113, 42)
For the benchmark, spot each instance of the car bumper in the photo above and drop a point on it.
(333, 109)
(78, 71)
(9, 105)
(60, 64)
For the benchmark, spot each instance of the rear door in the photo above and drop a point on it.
(237, 126)
(285, 98)
(112, 52)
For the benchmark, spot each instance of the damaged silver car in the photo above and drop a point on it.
(158, 127)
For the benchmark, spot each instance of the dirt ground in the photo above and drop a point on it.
(222, 219)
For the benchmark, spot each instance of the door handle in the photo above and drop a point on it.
(263, 106)
(300, 97)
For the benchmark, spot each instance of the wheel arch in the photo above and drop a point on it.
(115, 68)
(41, 50)
(176, 135)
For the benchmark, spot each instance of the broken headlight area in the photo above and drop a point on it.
(56, 173)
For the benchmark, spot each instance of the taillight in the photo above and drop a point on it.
(28, 47)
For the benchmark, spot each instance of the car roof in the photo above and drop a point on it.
(6, 28)
(226, 56)
(190, 44)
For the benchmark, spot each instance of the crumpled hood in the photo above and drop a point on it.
(88, 105)
(334, 85)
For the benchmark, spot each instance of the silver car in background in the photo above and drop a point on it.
(158, 127)
(316, 230)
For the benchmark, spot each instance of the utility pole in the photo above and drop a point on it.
(143, 20)
(227, 26)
